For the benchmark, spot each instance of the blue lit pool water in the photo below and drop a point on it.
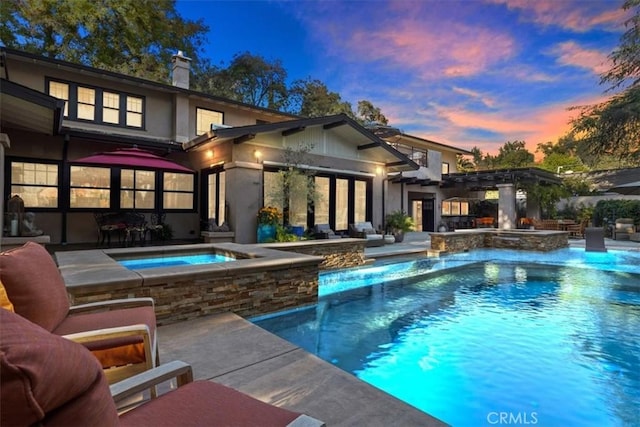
(173, 261)
(467, 337)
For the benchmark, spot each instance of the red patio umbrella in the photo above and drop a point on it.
(134, 158)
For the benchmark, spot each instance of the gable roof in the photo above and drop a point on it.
(340, 123)
(111, 75)
(28, 109)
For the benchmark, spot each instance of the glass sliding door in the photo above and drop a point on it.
(342, 204)
(321, 202)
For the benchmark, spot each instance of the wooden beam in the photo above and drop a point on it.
(367, 146)
(334, 124)
(293, 131)
(392, 164)
(244, 138)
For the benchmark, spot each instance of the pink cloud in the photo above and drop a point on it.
(579, 16)
(570, 53)
(485, 100)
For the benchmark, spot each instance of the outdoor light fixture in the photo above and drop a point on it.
(379, 170)
(258, 156)
(209, 154)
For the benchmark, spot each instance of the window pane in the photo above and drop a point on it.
(298, 202)
(90, 187)
(134, 119)
(204, 119)
(272, 190)
(445, 168)
(111, 107)
(145, 180)
(464, 208)
(35, 183)
(342, 204)
(89, 198)
(86, 103)
(60, 91)
(446, 208)
(360, 214)
(173, 200)
(126, 178)
(321, 203)
(144, 199)
(178, 181)
(134, 111)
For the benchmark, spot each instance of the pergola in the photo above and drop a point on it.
(506, 181)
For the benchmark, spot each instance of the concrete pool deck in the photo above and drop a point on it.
(231, 350)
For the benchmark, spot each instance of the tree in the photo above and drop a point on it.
(368, 114)
(249, 78)
(136, 38)
(613, 127)
(511, 155)
(312, 98)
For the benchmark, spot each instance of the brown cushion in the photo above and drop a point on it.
(34, 285)
(204, 403)
(113, 352)
(48, 379)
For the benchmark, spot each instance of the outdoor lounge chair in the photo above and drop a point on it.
(365, 230)
(48, 380)
(120, 333)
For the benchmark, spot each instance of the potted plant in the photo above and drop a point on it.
(398, 223)
(268, 218)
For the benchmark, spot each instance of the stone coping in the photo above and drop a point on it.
(313, 242)
(99, 270)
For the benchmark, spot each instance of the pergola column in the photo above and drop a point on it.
(506, 206)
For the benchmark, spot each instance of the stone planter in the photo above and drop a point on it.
(399, 236)
(389, 239)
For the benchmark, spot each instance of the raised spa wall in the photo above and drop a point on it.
(464, 240)
(262, 280)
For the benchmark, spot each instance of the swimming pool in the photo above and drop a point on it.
(172, 261)
(482, 338)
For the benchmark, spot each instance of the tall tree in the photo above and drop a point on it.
(512, 154)
(312, 98)
(613, 127)
(249, 78)
(370, 114)
(131, 37)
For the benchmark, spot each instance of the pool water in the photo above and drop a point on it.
(172, 261)
(486, 341)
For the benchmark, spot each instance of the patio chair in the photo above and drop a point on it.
(120, 333)
(48, 380)
(577, 230)
(324, 231)
(623, 228)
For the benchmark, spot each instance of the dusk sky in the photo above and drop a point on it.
(465, 73)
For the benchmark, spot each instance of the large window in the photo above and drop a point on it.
(35, 183)
(205, 118)
(90, 187)
(321, 203)
(216, 197)
(342, 204)
(99, 105)
(138, 189)
(360, 201)
(455, 207)
(177, 191)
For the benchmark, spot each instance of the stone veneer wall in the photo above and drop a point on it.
(337, 253)
(460, 241)
(262, 281)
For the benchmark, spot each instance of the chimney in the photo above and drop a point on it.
(180, 66)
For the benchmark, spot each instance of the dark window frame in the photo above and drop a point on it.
(98, 115)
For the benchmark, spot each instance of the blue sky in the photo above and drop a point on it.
(466, 73)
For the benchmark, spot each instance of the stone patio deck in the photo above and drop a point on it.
(231, 350)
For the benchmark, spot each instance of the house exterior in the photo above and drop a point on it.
(55, 113)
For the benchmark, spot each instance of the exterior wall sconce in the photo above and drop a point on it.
(209, 154)
(258, 155)
(379, 170)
